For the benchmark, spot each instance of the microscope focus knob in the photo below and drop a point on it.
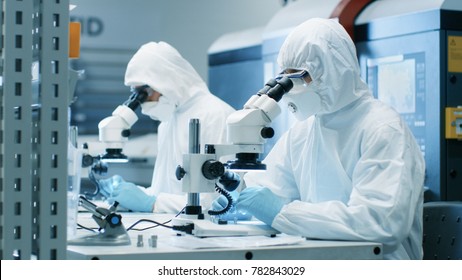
(213, 169)
(87, 160)
(267, 132)
(179, 172)
(125, 132)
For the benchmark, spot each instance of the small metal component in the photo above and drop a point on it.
(153, 241)
(140, 241)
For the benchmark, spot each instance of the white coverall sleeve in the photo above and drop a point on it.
(169, 203)
(278, 176)
(386, 190)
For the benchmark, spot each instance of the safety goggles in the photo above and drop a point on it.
(295, 75)
(142, 88)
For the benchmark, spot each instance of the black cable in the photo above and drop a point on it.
(149, 221)
(154, 222)
(86, 228)
(228, 206)
(146, 228)
(181, 212)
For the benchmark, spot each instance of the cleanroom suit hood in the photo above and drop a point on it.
(353, 171)
(329, 56)
(162, 68)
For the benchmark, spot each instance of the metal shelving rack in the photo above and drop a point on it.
(34, 125)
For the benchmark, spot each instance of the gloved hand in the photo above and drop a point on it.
(260, 202)
(106, 186)
(230, 181)
(132, 197)
(233, 214)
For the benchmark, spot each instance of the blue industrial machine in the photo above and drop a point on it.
(235, 66)
(410, 54)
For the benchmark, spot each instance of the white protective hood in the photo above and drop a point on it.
(325, 50)
(162, 67)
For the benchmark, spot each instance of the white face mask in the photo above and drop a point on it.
(161, 110)
(303, 101)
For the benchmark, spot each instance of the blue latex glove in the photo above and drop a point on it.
(261, 202)
(106, 186)
(233, 214)
(132, 197)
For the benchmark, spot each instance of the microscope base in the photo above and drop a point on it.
(207, 228)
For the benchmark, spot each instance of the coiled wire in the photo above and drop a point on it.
(228, 206)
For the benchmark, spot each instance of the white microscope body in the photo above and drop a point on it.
(113, 133)
(247, 131)
(115, 129)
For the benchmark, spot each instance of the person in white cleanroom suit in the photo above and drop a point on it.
(350, 169)
(178, 95)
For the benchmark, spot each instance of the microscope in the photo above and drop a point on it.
(113, 133)
(247, 131)
(115, 130)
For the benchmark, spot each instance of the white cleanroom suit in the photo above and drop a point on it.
(163, 69)
(352, 171)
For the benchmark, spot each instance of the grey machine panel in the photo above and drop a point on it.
(404, 57)
(235, 66)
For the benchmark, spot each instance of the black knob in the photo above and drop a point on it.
(114, 220)
(126, 132)
(453, 79)
(179, 172)
(267, 132)
(100, 168)
(87, 160)
(212, 169)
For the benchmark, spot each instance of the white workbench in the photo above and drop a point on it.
(170, 246)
